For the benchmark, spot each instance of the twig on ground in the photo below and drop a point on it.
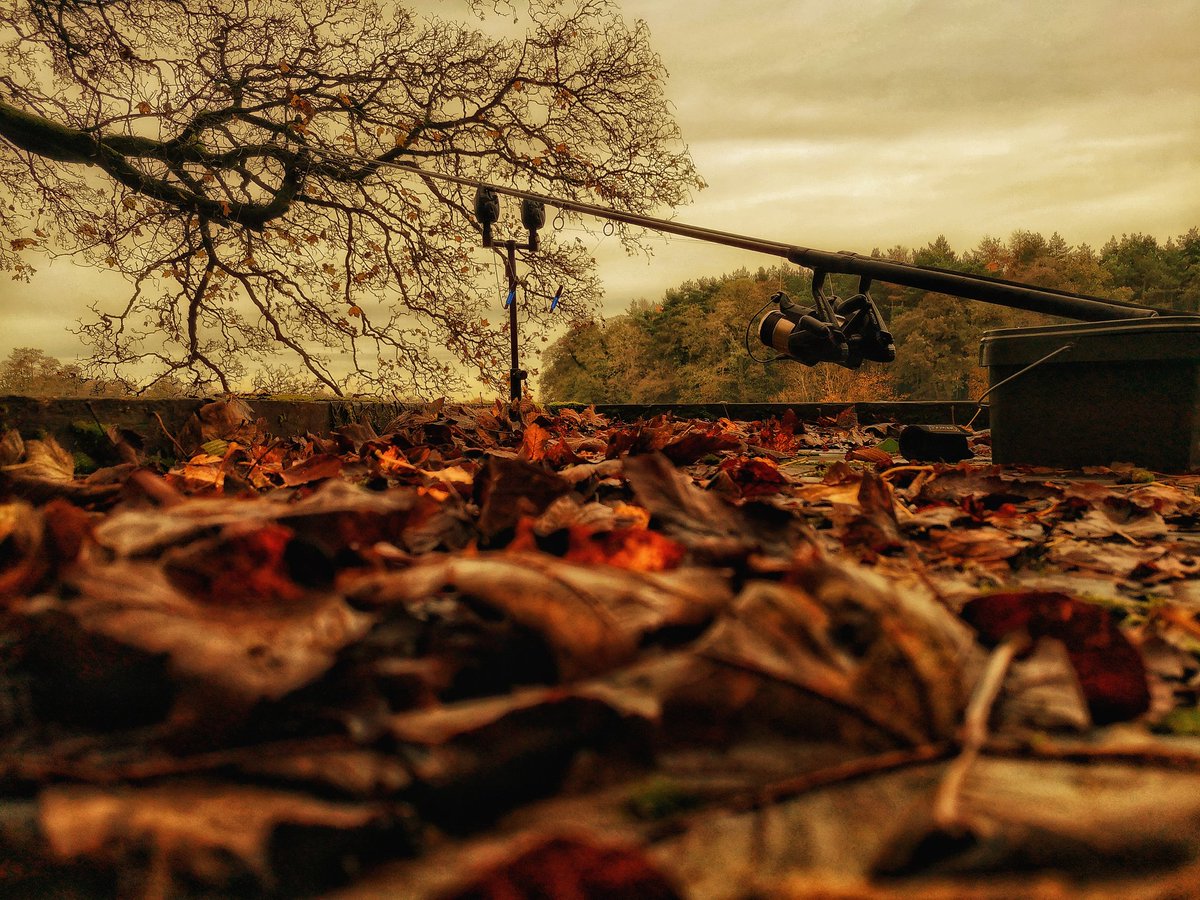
(163, 425)
(946, 811)
(789, 788)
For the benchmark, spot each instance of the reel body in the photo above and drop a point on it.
(844, 332)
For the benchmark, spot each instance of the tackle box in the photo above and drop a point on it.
(1121, 391)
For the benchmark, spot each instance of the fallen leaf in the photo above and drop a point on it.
(570, 867)
(512, 488)
(217, 834)
(315, 468)
(878, 661)
(1110, 669)
(243, 565)
(593, 617)
(225, 657)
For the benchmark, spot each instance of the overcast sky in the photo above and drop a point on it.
(850, 126)
(855, 125)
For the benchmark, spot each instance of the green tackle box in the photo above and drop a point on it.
(1121, 391)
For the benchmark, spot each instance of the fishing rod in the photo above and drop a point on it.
(843, 331)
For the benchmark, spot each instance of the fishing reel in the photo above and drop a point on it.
(844, 332)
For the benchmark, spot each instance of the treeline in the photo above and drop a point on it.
(30, 372)
(691, 345)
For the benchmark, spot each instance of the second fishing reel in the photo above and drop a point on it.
(844, 332)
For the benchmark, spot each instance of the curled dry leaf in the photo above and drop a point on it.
(512, 488)
(593, 617)
(329, 516)
(874, 527)
(21, 536)
(880, 459)
(47, 471)
(754, 476)
(243, 565)
(36, 542)
(225, 658)
(697, 518)
(227, 419)
(317, 467)
(881, 659)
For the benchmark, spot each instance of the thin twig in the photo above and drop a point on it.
(178, 448)
(788, 788)
(975, 729)
(1162, 757)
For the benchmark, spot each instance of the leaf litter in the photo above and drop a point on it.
(510, 652)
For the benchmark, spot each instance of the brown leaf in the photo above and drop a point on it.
(21, 543)
(593, 617)
(1116, 516)
(692, 516)
(533, 443)
(882, 660)
(48, 471)
(316, 468)
(12, 448)
(637, 549)
(243, 565)
(695, 443)
(213, 833)
(226, 657)
(880, 459)
(1042, 692)
(227, 419)
(335, 514)
(512, 488)
(44, 461)
(875, 527)
(754, 476)
(982, 544)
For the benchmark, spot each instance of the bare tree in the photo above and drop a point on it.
(234, 159)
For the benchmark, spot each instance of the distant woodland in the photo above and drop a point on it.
(690, 345)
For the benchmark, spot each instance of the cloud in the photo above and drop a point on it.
(854, 126)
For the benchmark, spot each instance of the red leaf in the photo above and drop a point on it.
(754, 476)
(1110, 669)
(242, 566)
(571, 867)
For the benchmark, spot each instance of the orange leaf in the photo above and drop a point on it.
(636, 549)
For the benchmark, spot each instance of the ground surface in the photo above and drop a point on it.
(505, 653)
